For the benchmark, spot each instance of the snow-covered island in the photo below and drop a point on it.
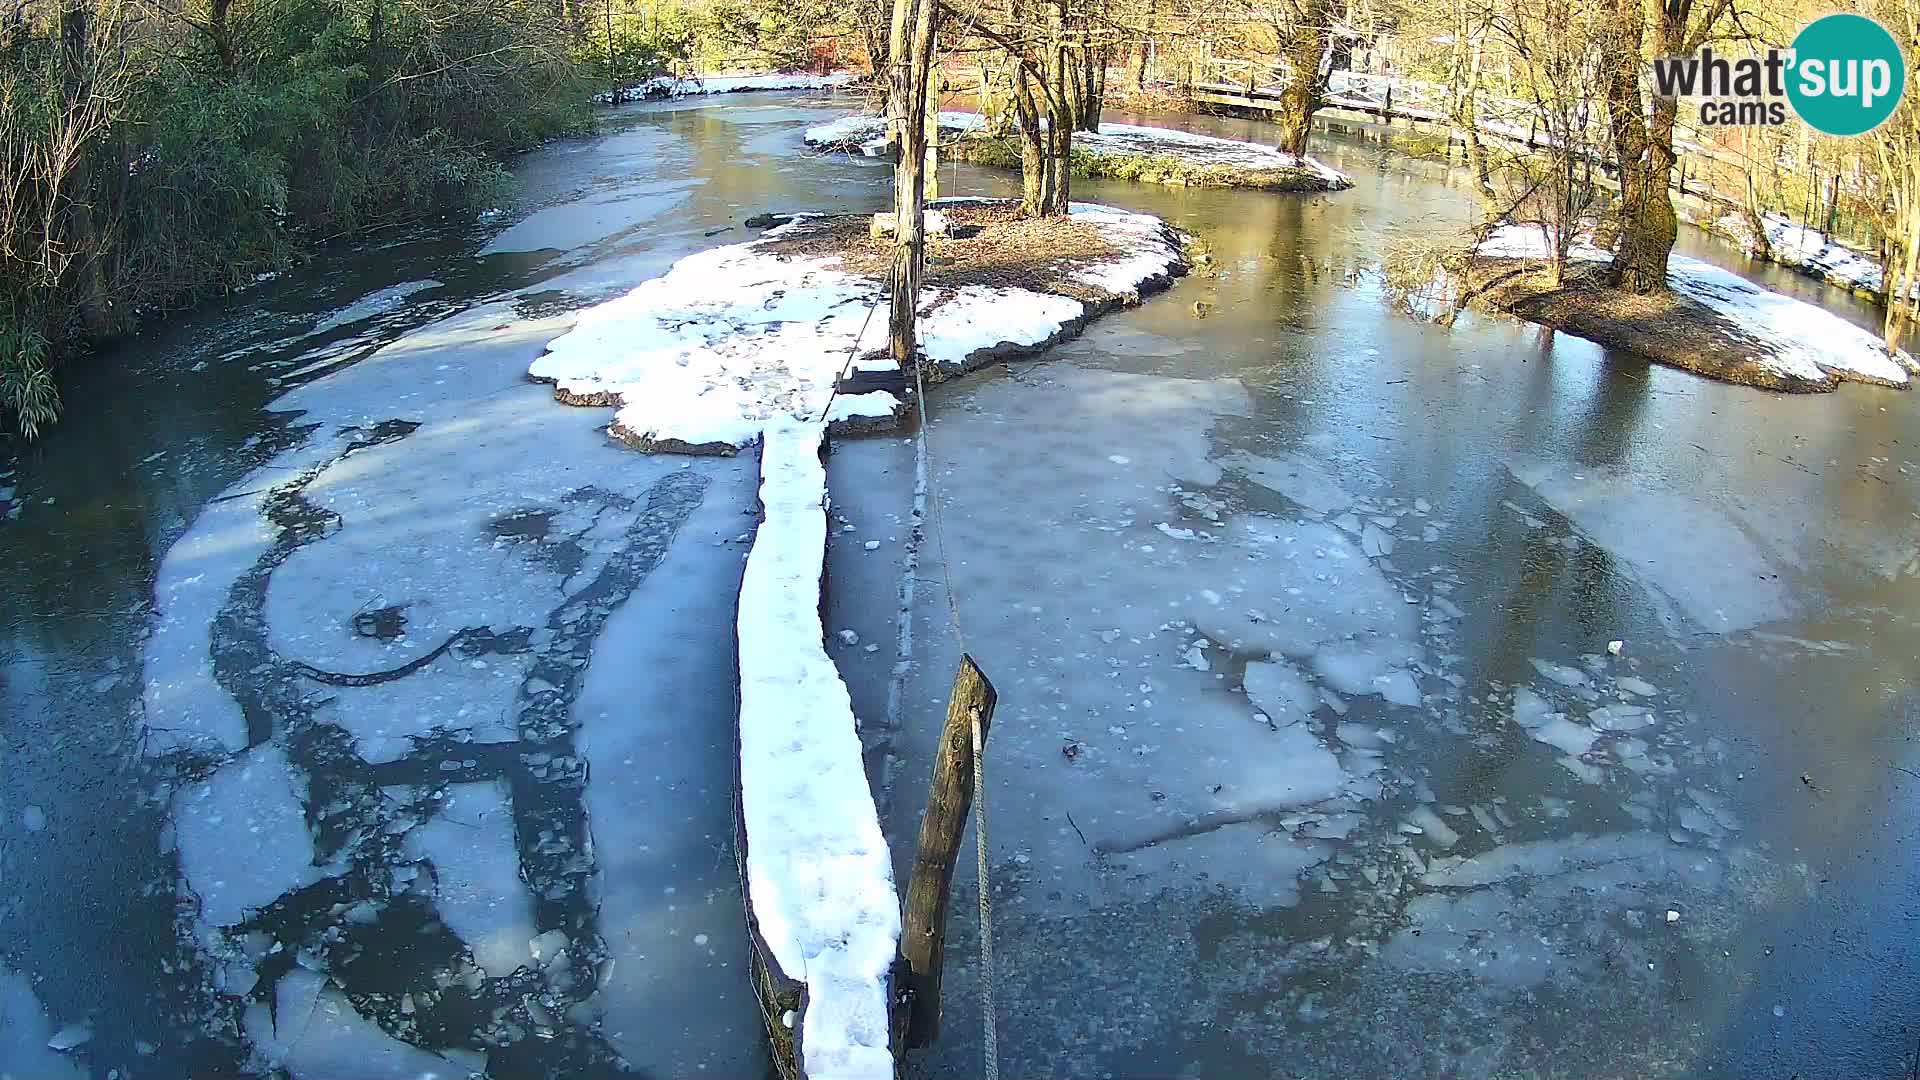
(776, 343)
(673, 86)
(1713, 322)
(1124, 151)
(732, 340)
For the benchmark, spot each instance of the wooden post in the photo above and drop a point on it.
(923, 930)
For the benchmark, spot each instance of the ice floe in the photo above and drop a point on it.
(242, 835)
(314, 1033)
(476, 873)
(1720, 574)
(30, 1047)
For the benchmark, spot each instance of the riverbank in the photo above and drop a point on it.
(676, 86)
(1120, 151)
(1809, 251)
(1713, 322)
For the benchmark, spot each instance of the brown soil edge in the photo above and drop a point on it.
(775, 991)
(1094, 304)
(1670, 329)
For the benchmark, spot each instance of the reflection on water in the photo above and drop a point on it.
(1816, 492)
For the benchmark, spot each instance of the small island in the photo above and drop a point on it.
(1119, 151)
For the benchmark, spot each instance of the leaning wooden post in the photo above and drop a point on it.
(923, 930)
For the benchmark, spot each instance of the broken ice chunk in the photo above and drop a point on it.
(546, 947)
(1280, 691)
(1530, 710)
(1620, 717)
(1352, 669)
(1636, 686)
(69, 1037)
(1423, 818)
(1560, 673)
(1563, 734)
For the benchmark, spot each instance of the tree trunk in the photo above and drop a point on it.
(1900, 286)
(930, 183)
(1468, 55)
(1304, 51)
(1035, 159)
(911, 47)
(1095, 102)
(1648, 225)
(1059, 117)
(1643, 139)
(221, 34)
(1076, 87)
(1141, 49)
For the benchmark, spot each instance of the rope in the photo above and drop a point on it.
(990, 1033)
(847, 364)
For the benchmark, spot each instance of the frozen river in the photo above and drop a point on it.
(367, 713)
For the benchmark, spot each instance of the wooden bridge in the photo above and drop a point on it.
(1386, 100)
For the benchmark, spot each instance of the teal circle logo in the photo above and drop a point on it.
(1847, 74)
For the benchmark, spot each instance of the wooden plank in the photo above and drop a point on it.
(923, 931)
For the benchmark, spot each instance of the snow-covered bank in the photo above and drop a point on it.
(1753, 335)
(1130, 151)
(1809, 251)
(669, 86)
(730, 340)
